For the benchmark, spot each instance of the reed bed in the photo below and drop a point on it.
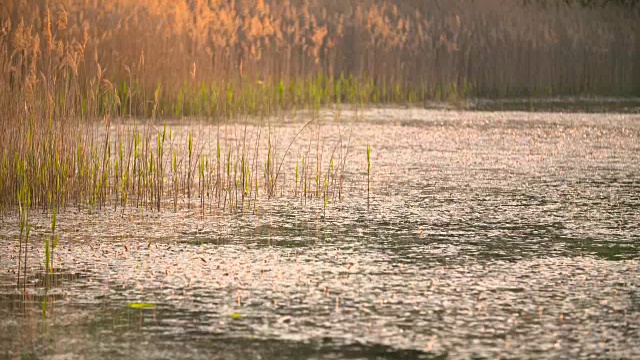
(51, 166)
(160, 58)
(141, 166)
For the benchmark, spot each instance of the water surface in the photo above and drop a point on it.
(487, 234)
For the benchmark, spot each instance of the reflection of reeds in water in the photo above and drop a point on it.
(172, 58)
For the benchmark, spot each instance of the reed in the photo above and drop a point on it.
(368, 174)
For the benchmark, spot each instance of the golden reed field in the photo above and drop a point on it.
(215, 57)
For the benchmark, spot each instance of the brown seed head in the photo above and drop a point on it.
(48, 36)
(62, 16)
(20, 37)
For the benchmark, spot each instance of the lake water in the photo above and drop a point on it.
(487, 234)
